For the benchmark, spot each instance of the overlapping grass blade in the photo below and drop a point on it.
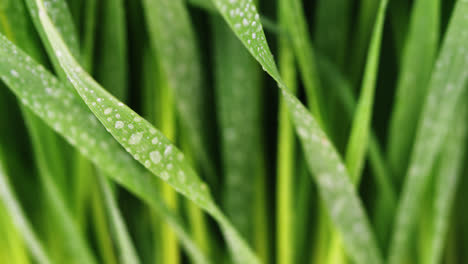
(60, 15)
(447, 84)
(237, 91)
(300, 40)
(143, 141)
(20, 220)
(416, 66)
(49, 161)
(171, 34)
(64, 111)
(360, 131)
(335, 187)
(381, 172)
(366, 16)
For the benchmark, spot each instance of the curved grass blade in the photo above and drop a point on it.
(124, 242)
(60, 15)
(143, 141)
(48, 158)
(358, 140)
(381, 172)
(19, 219)
(335, 187)
(417, 62)
(446, 182)
(171, 34)
(65, 112)
(447, 84)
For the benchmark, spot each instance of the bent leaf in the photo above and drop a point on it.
(146, 144)
(336, 189)
(63, 110)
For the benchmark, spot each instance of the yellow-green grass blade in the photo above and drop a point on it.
(63, 110)
(417, 61)
(19, 219)
(126, 251)
(49, 160)
(330, 174)
(146, 144)
(359, 139)
(286, 150)
(12, 246)
(447, 84)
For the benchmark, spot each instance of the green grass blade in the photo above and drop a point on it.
(74, 242)
(366, 16)
(49, 160)
(20, 220)
(335, 187)
(60, 15)
(447, 84)
(360, 131)
(417, 62)
(126, 250)
(380, 169)
(64, 111)
(111, 49)
(143, 141)
(446, 183)
(332, 18)
(237, 91)
(89, 35)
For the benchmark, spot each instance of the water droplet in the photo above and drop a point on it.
(155, 141)
(14, 73)
(119, 124)
(168, 151)
(155, 157)
(108, 111)
(165, 175)
(135, 138)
